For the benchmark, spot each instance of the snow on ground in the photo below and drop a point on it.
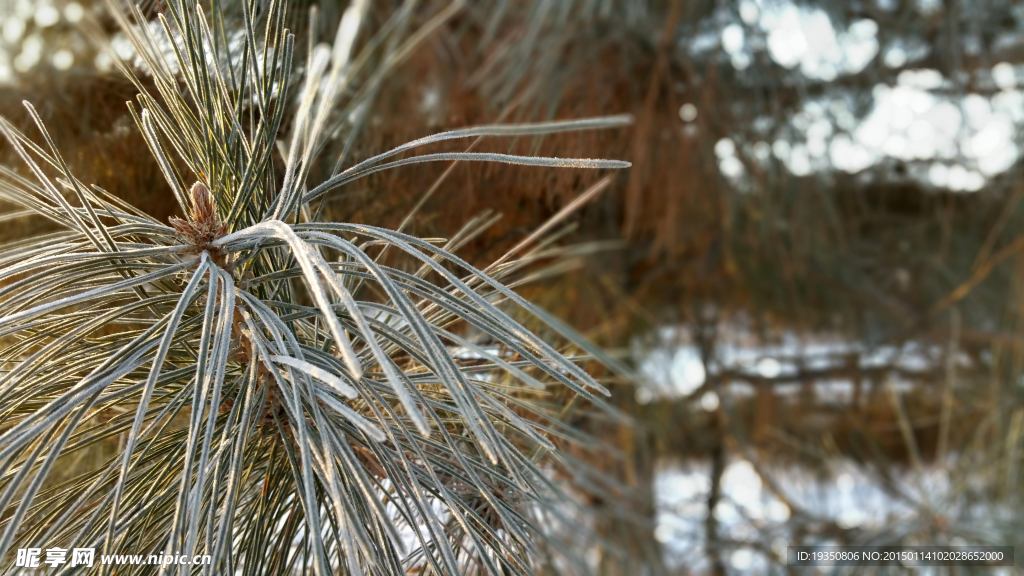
(757, 525)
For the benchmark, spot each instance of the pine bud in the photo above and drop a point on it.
(205, 225)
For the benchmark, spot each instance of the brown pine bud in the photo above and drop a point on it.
(205, 225)
(204, 212)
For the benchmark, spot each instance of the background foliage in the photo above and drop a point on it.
(814, 297)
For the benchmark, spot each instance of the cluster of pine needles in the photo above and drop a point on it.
(284, 399)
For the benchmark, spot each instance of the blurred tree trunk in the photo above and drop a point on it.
(635, 535)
